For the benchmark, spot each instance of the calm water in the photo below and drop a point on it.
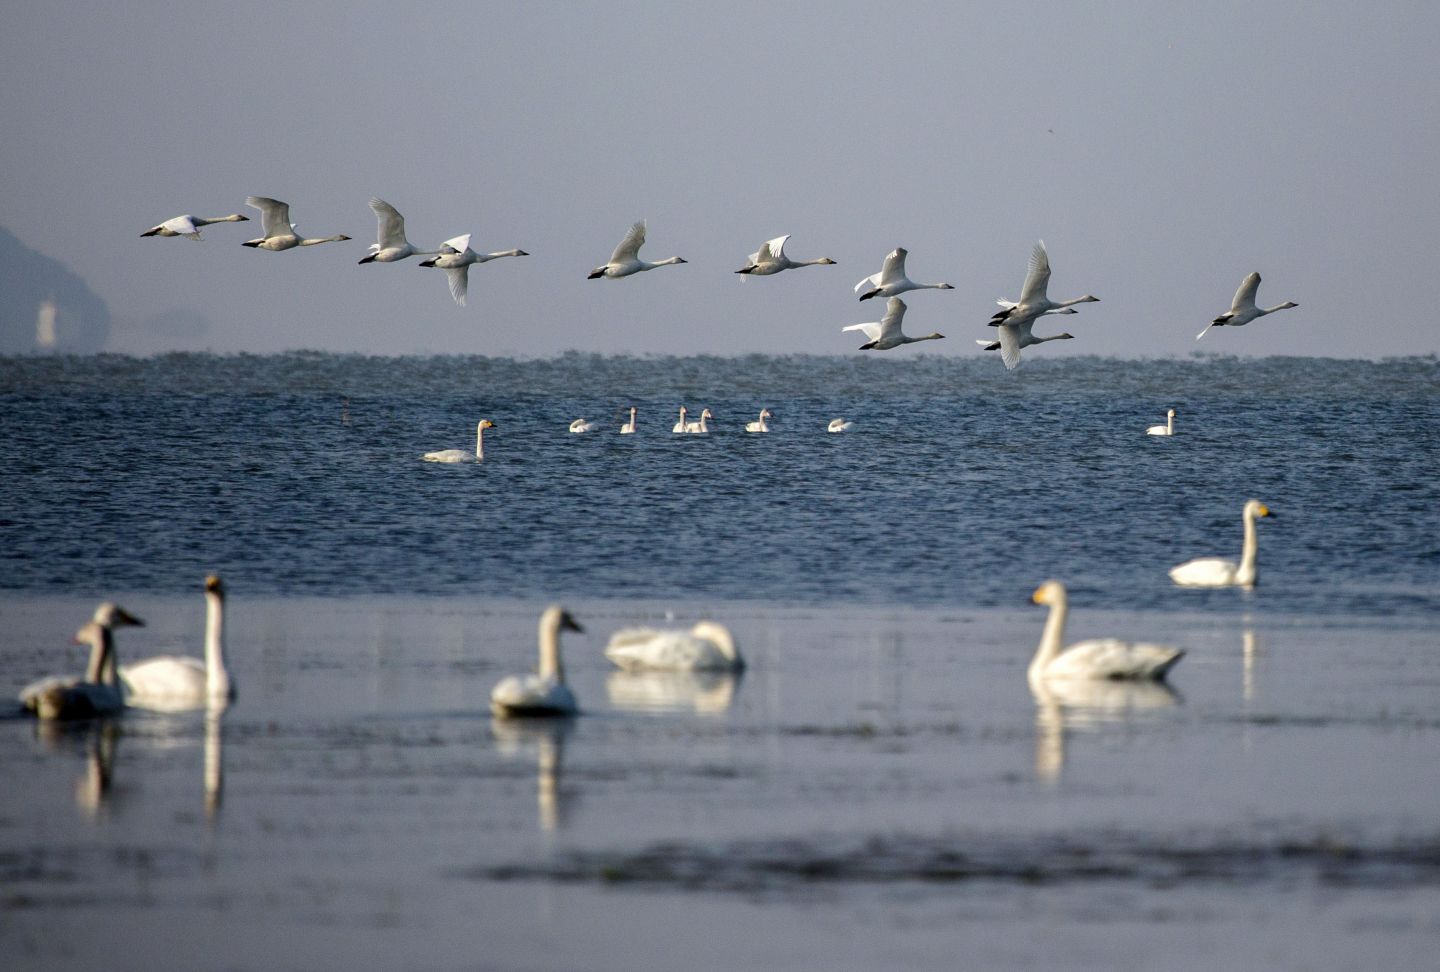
(881, 789)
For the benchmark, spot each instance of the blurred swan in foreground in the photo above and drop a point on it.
(1033, 301)
(771, 258)
(708, 646)
(626, 258)
(885, 333)
(279, 232)
(390, 243)
(839, 425)
(456, 258)
(98, 693)
(891, 280)
(1242, 309)
(760, 425)
(1167, 429)
(1013, 337)
(1218, 572)
(629, 427)
(460, 455)
(1098, 658)
(701, 427)
(544, 693)
(581, 425)
(189, 226)
(171, 682)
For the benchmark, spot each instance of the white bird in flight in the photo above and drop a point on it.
(1033, 302)
(886, 334)
(456, 257)
(891, 280)
(1013, 337)
(189, 226)
(279, 232)
(626, 258)
(390, 243)
(771, 258)
(1242, 309)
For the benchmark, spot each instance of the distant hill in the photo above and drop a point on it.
(45, 306)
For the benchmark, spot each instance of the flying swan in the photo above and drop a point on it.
(1033, 301)
(390, 243)
(170, 682)
(1242, 309)
(460, 455)
(891, 280)
(456, 258)
(771, 258)
(1013, 337)
(279, 232)
(707, 647)
(1217, 572)
(1099, 658)
(885, 333)
(626, 258)
(189, 226)
(544, 693)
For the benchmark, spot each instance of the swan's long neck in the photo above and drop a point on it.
(101, 652)
(1271, 310)
(1246, 573)
(1170, 423)
(479, 442)
(323, 239)
(1050, 638)
(1087, 299)
(671, 261)
(217, 678)
(550, 666)
(1053, 337)
(924, 337)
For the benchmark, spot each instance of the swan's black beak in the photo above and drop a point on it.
(252, 243)
(570, 624)
(425, 263)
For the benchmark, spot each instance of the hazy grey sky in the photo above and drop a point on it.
(1162, 149)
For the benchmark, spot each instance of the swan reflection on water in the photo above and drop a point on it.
(707, 693)
(1087, 705)
(515, 738)
(98, 737)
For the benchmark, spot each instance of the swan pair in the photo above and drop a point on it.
(189, 226)
(626, 261)
(460, 455)
(885, 333)
(1103, 658)
(1217, 572)
(1016, 318)
(98, 693)
(1167, 429)
(1243, 309)
(278, 233)
(701, 427)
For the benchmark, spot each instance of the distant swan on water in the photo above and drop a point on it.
(98, 692)
(189, 226)
(626, 258)
(885, 333)
(1218, 572)
(760, 425)
(456, 258)
(701, 427)
(771, 258)
(1099, 658)
(680, 425)
(1243, 309)
(708, 646)
(629, 427)
(545, 692)
(460, 455)
(891, 280)
(173, 682)
(839, 425)
(581, 425)
(279, 232)
(1167, 429)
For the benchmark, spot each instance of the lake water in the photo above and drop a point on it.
(880, 789)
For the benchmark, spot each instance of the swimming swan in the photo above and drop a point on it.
(1099, 658)
(839, 425)
(759, 425)
(1167, 429)
(700, 427)
(544, 693)
(891, 280)
(886, 334)
(456, 257)
(279, 232)
(1242, 309)
(680, 425)
(706, 647)
(1033, 301)
(629, 427)
(98, 693)
(580, 425)
(172, 682)
(1216, 572)
(1013, 337)
(189, 226)
(460, 455)
(771, 258)
(390, 243)
(626, 258)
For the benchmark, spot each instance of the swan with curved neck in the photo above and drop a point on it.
(891, 280)
(1218, 572)
(1243, 309)
(1033, 300)
(278, 232)
(545, 692)
(771, 259)
(708, 646)
(98, 692)
(171, 682)
(581, 425)
(460, 455)
(1099, 658)
(629, 427)
(760, 425)
(626, 258)
(1167, 429)
(701, 427)
(189, 226)
(456, 258)
(885, 333)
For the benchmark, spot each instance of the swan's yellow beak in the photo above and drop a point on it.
(1039, 596)
(1264, 510)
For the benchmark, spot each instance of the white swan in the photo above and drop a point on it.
(544, 693)
(580, 425)
(626, 258)
(700, 427)
(456, 257)
(771, 258)
(839, 425)
(1013, 337)
(390, 243)
(189, 226)
(629, 427)
(760, 425)
(1217, 572)
(1242, 309)
(708, 646)
(1167, 429)
(170, 682)
(680, 425)
(1100, 658)
(1033, 301)
(460, 455)
(891, 280)
(98, 693)
(279, 232)
(886, 334)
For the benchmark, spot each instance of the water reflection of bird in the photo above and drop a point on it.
(512, 737)
(1087, 704)
(708, 693)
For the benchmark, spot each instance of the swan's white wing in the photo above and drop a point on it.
(629, 248)
(274, 215)
(893, 268)
(456, 245)
(1037, 277)
(894, 314)
(871, 329)
(184, 226)
(1006, 304)
(390, 225)
(868, 284)
(1245, 296)
(1010, 346)
(459, 282)
(773, 249)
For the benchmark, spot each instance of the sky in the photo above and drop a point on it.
(1163, 150)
